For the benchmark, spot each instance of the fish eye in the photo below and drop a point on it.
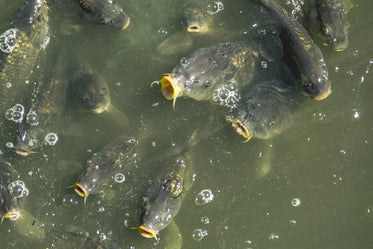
(324, 30)
(40, 18)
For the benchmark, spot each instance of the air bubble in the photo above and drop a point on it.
(9, 145)
(295, 202)
(32, 118)
(17, 117)
(18, 189)
(199, 234)
(51, 138)
(9, 114)
(102, 236)
(204, 197)
(119, 178)
(19, 108)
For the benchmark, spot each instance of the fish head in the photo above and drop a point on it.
(196, 19)
(29, 138)
(9, 205)
(92, 181)
(92, 92)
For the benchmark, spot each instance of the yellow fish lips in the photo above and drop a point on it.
(23, 152)
(194, 28)
(81, 191)
(147, 232)
(170, 88)
(12, 215)
(324, 95)
(126, 24)
(241, 129)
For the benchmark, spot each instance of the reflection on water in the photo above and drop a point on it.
(310, 187)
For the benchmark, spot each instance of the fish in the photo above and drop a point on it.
(116, 157)
(90, 90)
(300, 52)
(163, 198)
(198, 15)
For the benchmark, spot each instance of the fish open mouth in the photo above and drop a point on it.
(147, 233)
(194, 28)
(23, 152)
(12, 215)
(170, 88)
(126, 24)
(324, 95)
(242, 130)
(100, 109)
(81, 191)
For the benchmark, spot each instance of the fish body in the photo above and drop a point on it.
(328, 18)
(199, 75)
(164, 197)
(44, 113)
(116, 157)
(91, 90)
(10, 205)
(267, 108)
(300, 53)
(20, 46)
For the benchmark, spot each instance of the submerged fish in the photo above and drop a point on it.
(10, 205)
(329, 19)
(20, 47)
(116, 157)
(199, 75)
(267, 109)
(300, 53)
(198, 14)
(91, 90)
(163, 198)
(44, 114)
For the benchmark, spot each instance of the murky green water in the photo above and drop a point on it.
(309, 187)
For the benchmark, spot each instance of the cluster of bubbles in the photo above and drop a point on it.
(227, 95)
(15, 113)
(51, 138)
(204, 197)
(199, 234)
(18, 189)
(70, 200)
(8, 41)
